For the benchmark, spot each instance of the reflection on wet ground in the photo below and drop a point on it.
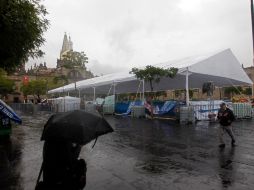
(20, 157)
(140, 154)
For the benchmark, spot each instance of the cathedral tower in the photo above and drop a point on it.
(67, 46)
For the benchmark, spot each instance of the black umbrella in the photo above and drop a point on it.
(75, 126)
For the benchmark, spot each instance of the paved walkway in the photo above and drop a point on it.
(143, 154)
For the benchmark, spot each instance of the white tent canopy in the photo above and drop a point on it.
(222, 68)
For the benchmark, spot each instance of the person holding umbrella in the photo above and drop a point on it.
(225, 117)
(61, 167)
(64, 135)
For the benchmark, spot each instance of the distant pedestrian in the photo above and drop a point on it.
(225, 117)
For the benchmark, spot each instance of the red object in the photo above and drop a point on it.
(25, 80)
(148, 106)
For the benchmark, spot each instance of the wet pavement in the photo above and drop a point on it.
(140, 154)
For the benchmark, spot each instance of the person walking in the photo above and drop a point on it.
(225, 117)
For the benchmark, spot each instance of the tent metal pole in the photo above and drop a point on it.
(187, 87)
(79, 93)
(143, 93)
(114, 88)
(138, 90)
(109, 89)
(94, 94)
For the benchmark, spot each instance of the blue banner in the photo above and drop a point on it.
(8, 112)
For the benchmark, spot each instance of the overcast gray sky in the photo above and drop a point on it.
(121, 34)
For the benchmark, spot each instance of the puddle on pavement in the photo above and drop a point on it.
(152, 167)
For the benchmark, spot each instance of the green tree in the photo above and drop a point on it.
(232, 90)
(6, 85)
(179, 92)
(191, 92)
(22, 24)
(153, 74)
(26, 89)
(160, 93)
(247, 91)
(60, 80)
(35, 88)
(74, 58)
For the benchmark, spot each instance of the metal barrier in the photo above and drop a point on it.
(108, 109)
(65, 107)
(31, 108)
(45, 107)
(205, 111)
(210, 111)
(242, 110)
(90, 107)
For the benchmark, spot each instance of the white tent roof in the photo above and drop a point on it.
(222, 68)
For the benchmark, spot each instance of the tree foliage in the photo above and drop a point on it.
(179, 92)
(232, 90)
(247, 91)
(61, 80)
(35, 87)
(160, 93)
(22, 24)
(6, 85)
(153, 74)
(74, 58)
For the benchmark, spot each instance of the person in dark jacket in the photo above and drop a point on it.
(61, 167)
(225, 117)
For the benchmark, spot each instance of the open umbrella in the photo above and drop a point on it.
(75, 126)
(8, 112)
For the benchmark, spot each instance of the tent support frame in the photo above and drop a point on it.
(187, 87)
